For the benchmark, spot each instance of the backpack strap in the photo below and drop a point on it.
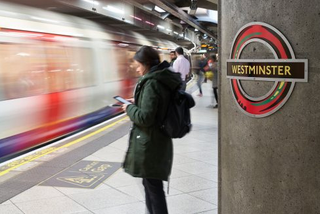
(171, 98)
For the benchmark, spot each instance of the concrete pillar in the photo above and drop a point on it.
(271, 165)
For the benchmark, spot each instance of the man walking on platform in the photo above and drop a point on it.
(181, 65)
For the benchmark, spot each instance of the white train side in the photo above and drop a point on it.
(58, 74)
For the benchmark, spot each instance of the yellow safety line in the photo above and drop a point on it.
(64, 146)
(191, 84)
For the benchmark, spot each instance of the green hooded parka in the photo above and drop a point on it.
(150, 151)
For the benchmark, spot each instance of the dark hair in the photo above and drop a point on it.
(179, 50)
(214, 57)
(173, 52)
(147, 56)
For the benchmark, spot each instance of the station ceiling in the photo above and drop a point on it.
(182, 13)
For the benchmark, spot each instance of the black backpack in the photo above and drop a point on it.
(177, 122)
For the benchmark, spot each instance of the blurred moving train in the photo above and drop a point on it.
(58, 74)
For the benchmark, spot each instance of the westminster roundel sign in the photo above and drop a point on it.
(284, 70)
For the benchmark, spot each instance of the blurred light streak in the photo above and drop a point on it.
(149, 23)
(137, 18)
(123, 45)
(23, 54)
(43, 19)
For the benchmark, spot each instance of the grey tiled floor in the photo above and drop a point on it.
(193, 185)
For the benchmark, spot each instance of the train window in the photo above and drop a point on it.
(68, 67)
(110, 68)
(43, 65)
(22, 70)
(28, 70)
(57, 63)
(132, 66)
(119, 64)
(79, 72)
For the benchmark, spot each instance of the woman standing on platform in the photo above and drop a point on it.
(212, 63)
(150, 152)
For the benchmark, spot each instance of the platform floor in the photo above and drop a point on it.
(193, 184)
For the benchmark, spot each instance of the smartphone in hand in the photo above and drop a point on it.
(122, 100)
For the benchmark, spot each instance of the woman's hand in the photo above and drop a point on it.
(131, 100)
(124, 107)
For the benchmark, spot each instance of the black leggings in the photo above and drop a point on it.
(215, 92)
(155, 197)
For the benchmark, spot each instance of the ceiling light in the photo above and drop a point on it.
(158, 9)
(91, 2)
(175, 32)
(113, 9)
(160, 26)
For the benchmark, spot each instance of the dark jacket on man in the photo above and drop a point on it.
(172, 61)
(150, 152)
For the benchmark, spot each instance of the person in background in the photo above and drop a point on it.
(201, 72)
(213, 67)
(181, 65)
(173, 57)
(205, 68)
(150, 151)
